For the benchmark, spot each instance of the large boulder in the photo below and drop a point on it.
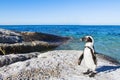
(58, 65)
(7, 36)
(12, 58)
(26, 47)
(25, 42)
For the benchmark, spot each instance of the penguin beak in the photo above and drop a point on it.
(82, 39)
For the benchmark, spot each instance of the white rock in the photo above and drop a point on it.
(58, 65)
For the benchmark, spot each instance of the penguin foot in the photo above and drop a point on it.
(88, 72)
(92, 74)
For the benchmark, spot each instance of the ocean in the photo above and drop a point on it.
(107, 38)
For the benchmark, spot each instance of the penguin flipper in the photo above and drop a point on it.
(95, 59)
(80, 59)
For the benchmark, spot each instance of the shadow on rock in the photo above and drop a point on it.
(107, 68)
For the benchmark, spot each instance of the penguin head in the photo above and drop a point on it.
(87, 39)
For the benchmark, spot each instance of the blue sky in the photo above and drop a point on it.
(79, 12)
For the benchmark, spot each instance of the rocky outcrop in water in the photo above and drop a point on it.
(7, 36)
(25, 42)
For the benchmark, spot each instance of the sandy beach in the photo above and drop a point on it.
(58, 65)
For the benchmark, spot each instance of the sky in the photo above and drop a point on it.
(64, 12)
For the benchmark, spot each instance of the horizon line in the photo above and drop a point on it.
(60, 24)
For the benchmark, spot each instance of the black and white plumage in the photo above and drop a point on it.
(89, 55)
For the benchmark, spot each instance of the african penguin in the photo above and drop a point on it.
(89, 56)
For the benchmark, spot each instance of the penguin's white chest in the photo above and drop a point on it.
(89, 62)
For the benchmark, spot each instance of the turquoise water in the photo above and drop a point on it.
(107, 38)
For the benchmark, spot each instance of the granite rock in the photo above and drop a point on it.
(58, 65)
(7, 36)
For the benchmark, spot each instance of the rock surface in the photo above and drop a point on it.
(35, 36)
(25, 42)
(12, 58)
(7, 36)
(26, 47)
(58, 65)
